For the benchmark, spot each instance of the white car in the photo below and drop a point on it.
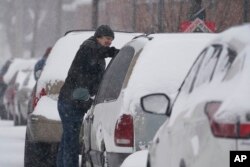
(116, 126)
(25, 83)
(44, 126)
(13, 83)
(211, 114)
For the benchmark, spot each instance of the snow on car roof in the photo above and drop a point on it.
(16, 65)
(59, 61)
(63, 53)
(235, 37)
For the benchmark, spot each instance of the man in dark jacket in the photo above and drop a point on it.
(81, 84)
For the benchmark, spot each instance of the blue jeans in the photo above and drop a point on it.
(68, 153)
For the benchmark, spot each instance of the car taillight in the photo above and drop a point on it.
(124, 131)
(36, 99)
(226, 128)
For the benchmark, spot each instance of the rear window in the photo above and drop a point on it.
(114, 76)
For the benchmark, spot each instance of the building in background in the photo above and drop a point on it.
(167, 15)
(48, 20)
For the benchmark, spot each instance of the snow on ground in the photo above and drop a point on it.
(11, 144)
(137, 159)
(12, 140)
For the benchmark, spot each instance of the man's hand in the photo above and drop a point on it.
(113, 51)
(81, 94)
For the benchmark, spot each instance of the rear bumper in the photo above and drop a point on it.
(41, 129)
(116, 159)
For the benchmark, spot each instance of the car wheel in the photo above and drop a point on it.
(3, 111)
(86, 162)
(16, 120)
(104, 159)
(23, 121)
(38, 154)
(182, 163)
(9, 115)
(148, 161)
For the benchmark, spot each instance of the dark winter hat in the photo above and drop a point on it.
(104, 30)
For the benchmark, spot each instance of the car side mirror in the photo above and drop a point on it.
(158, 103)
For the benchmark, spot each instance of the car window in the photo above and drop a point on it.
(189, 80)
(208, 65)
(235, 68)
(114, 76)
(226, 59)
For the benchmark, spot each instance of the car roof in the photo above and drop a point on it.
(16, 65)
(63, 52)
(234, 37)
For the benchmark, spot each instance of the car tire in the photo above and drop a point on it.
(38, 154)
(16, 120)
(104, 159)
(182, 163)
(3, 112)
(148, 161)
(85, 162)
(23, 121)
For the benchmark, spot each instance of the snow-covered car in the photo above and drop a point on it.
(210, 116)
(10, 79)
(26, 81)
(3, 87)
(116, 126)
(44, 127)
